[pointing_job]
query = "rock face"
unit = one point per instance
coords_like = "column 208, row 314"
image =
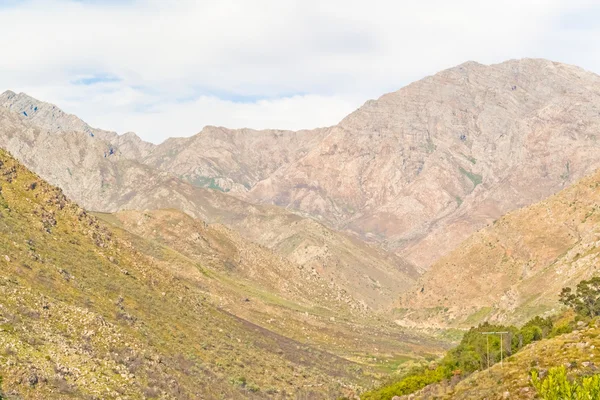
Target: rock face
column 422, row 168
column 232, row 160
column 515, row 268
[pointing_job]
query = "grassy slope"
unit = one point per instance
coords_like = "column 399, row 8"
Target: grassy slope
column 85, row 315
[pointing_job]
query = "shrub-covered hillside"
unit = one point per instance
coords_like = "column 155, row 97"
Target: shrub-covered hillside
column 83, row 314
column 525, row 356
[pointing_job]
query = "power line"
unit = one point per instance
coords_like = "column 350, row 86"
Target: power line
column 488, row 346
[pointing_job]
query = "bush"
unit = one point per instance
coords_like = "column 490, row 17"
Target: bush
column 557, row 386
column 409, row 384
column 531, row 334
column 545, row 324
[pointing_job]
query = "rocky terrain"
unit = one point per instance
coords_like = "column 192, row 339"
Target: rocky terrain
column 433, row 199
column 422, row 168
column 416, row 171
column 91, row 309
column 516, row 267
column 95, row 172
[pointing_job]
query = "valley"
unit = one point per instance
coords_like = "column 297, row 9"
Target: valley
column 317, row 264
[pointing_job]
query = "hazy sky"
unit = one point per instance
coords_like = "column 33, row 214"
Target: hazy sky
column 168, row 68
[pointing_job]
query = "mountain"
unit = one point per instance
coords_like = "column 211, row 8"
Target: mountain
column 232, row 160
column 420, row 169
column 98, row 175
column 278, row 250
column 414, row 172
column 516, row 267
column 90, row 311
column 417, row 170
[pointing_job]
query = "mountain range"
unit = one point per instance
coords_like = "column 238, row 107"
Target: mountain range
column 415, row 171
column 469, row 195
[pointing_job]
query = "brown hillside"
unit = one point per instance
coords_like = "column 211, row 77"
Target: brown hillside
column 516, row 267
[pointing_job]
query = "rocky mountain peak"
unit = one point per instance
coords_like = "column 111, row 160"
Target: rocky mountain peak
column 52, row 119
column 421, row 168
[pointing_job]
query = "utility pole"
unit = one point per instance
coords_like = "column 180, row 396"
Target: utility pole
column 487, row 339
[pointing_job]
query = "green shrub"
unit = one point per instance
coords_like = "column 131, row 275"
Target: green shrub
column 561, row 328
column 557, row 386
column 531, row 334
column 545, row 324
column 409, row 384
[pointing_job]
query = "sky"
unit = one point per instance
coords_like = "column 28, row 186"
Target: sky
column 169, row 68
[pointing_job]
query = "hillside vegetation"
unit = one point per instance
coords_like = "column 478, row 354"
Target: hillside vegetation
column 487, row 345
column 86, row 315
column 578, row 352
column 258, row 285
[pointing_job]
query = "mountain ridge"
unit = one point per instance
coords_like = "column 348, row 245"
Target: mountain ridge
column 514, row 268
column 101, row 180
column 414, row 172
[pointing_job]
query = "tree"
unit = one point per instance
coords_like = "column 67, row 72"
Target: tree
column 586, row 299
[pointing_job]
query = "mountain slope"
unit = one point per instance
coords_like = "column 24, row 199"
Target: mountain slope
column 516, row 267
column 84, row 313
column 422, row 168
column 578, row 351
column 232, row 160
column 306, row 265
column 258, row 285
column 95, row 173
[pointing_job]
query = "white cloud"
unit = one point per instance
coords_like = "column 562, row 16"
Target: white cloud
column 172, row 67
